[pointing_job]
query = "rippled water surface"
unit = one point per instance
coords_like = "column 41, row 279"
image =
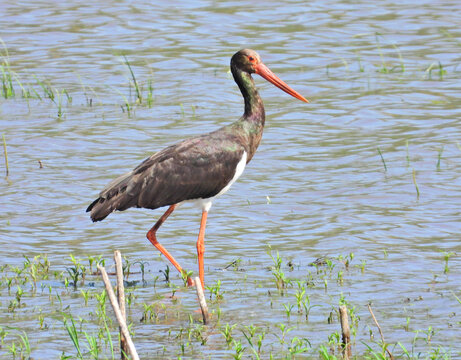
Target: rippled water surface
column 381, row 77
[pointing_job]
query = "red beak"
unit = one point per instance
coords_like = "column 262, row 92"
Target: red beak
column 267, row 74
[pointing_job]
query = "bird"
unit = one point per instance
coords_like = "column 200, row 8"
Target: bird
column 198, row 169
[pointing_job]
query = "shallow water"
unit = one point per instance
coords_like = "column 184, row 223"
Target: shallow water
column 382, row 77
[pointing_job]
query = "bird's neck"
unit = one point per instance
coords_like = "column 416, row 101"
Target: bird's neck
column 254, row 108
column 250, row 126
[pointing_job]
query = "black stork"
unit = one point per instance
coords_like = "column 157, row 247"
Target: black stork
column 198, row 169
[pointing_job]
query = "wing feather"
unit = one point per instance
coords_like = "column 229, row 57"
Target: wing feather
column 195, row 168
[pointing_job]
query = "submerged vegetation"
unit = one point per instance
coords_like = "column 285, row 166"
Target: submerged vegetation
column 69, row 305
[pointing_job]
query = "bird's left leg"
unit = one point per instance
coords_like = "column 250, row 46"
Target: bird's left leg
column 153, row 239
column 201, row 248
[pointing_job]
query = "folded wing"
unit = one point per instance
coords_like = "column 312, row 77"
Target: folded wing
column 192, row 169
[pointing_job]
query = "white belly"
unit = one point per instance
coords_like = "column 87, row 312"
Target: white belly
column 238, row 171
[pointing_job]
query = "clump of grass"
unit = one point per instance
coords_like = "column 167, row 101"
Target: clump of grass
column 440, row 71
column 139, row 97
column 446, row 256
column 48, row 91
column 10, row 84
column 6, row 79
column 280, row 279
column 76, row 272
column 97, row 260
column 385, row 67
column 150, row 312
column 216, row 291
column 6, row 74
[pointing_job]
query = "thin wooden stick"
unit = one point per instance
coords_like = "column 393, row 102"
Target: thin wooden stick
column 201, row 298
column 118, row 314
column 347, row 352
column 380, row 332
column 121, row 300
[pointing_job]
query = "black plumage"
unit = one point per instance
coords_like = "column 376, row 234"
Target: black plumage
column 197, row 168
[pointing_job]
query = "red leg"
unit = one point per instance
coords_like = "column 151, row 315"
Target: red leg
column 153, row 239
column 201, row 248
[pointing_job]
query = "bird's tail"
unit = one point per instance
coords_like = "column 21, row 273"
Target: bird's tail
column 113, row 197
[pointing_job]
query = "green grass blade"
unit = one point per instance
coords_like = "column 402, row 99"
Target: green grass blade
column 6, row 156
column 382, row 159
column 72, row 331
column 416, row 185
column 136, row 86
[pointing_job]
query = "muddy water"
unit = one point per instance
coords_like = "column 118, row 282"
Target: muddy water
column 379, row 77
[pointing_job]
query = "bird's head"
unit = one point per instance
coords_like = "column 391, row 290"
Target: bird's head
column 249, row 61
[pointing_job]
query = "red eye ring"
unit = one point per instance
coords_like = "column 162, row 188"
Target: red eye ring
column 251, row 58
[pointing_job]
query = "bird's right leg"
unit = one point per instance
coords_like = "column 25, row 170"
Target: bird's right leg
column 153, row 239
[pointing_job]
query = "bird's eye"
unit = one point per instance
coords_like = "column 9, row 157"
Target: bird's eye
column 251, row 58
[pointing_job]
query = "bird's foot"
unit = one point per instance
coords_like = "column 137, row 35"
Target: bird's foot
column 190, row 282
